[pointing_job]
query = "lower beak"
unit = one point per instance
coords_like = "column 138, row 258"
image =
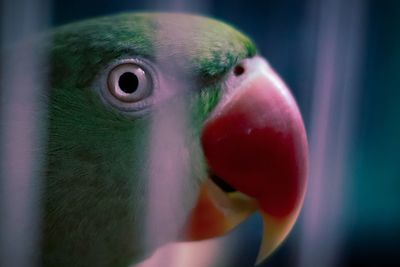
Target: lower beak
column 256, row 143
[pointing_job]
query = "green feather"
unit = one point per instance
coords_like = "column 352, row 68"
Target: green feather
column 95, row 186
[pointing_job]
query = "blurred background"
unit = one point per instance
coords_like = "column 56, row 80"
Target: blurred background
column 341, row 59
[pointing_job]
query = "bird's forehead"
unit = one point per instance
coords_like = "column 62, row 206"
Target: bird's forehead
column 203, row 45
column 196, row 44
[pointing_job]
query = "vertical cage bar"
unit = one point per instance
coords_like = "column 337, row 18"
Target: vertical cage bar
column 21, row 130
column 335, row 92
column 169, row 165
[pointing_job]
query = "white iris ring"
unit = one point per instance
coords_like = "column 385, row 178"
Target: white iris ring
column 142, row 89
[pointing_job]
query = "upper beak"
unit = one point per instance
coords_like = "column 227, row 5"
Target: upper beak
column 255, row 142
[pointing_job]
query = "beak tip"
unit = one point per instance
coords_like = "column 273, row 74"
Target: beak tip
column 275, row 231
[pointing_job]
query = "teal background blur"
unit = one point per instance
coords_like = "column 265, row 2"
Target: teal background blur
column 370, row 221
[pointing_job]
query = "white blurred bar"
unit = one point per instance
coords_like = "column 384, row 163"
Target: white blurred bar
column 21, row 130
column 339, row 46
column 170, row 187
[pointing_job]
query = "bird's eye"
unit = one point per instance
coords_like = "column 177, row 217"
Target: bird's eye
column 130, row 83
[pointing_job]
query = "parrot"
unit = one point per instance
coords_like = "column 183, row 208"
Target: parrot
column 228, row 123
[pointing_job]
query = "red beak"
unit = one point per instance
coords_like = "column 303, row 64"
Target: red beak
column 255, row 141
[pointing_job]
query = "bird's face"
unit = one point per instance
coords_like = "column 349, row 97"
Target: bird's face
column 165, row 127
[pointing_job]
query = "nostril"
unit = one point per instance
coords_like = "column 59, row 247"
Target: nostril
column 238, row 70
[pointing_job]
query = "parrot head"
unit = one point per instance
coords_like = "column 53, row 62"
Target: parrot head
column 164, row 127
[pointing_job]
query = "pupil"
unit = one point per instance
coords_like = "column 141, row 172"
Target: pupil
column 128, row 82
